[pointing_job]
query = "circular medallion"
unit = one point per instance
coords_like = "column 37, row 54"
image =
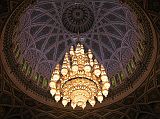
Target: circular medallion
column 78, row 18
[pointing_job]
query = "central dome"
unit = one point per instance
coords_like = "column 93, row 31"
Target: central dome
column 78, row 18
column 112, row 33
column 45, row 30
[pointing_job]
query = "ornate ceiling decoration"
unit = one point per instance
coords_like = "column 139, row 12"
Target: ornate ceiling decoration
column 78, row 18
column 144, row 103
column 43, row 39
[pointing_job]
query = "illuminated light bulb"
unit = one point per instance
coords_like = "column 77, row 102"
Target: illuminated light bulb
column 106, row 85
column 57, row 97
column 56, row 77
column 97, row 72
column 52, row 84
column 100, row 97
column 75, row 68
column 84, row 105
column 91, row 62
column 90, row 55
column 64, row 71
column 64, row 65
column 78, row 49
column 87, row 67
column 104, row 78
column 74, row 65
column 78, row 46
column 73, row 105
column 66, row 56
column 105, row 92
column 82, row 49
column 53, row 91
column 92, row 102
column 64, row 102
column 71, row 50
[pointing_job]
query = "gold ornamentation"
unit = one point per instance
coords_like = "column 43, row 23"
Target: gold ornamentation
column 80, row 79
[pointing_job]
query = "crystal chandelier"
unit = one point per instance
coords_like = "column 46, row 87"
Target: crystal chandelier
column 80, row 79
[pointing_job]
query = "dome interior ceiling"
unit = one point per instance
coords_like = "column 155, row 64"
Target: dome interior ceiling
column 142, row 103
column 44, row 39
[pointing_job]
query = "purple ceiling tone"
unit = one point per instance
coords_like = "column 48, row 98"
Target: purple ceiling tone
column 44, row 40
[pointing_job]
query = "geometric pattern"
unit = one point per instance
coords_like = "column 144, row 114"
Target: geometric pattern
column 144, row 103
column 43, row 39
column 77, row 18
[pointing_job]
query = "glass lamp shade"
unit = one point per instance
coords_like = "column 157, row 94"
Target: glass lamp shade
column 75, row 68
column 64, row 102
column 106, row 85
column 92, row 102
column 56, row 77
column 73, row 105
column 57, row 97
column 97, row 72
column 104, row 78
column 64, row 71
column 90, row 55
column 100, row 98
column 53, row 91
column 52, row 84
column 87, row 68
column 82, row 50
column 84, row 105
column 71, row 51
column 105, row 92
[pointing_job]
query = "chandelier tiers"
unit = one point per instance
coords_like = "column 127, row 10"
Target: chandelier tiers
column 79, row 79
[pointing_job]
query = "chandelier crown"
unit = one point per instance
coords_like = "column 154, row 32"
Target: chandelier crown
column 80, row 79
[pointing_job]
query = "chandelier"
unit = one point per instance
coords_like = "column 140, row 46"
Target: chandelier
column 79, row 79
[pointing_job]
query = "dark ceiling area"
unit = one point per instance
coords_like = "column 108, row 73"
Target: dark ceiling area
column 143, row 103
